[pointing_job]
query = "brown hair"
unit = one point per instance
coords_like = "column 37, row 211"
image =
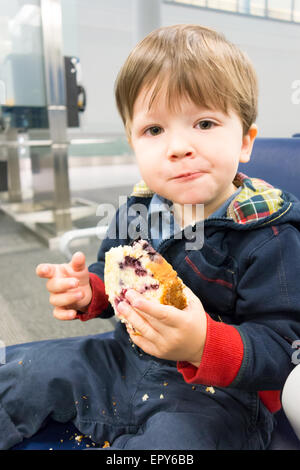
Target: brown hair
column 200, row 63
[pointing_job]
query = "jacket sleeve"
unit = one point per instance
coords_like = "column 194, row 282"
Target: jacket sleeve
column 256, row 352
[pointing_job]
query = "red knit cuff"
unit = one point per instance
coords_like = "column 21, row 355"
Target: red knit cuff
column 99, row 300
column 221, row 359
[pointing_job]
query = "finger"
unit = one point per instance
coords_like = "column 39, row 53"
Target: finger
column 190, row 296
column 58, row 285
column 136, row 321
column 45, row 270
column 144, row 343
column 64, row 314
column 153, row 308
column 63, row 300
column 78, row 261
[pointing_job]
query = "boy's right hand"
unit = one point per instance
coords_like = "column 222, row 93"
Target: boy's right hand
column 68, row 285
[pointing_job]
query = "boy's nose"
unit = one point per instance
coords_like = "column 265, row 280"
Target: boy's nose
column 179, row 145
column 175, row 155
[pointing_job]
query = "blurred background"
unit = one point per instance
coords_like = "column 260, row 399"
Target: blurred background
column 63, row 150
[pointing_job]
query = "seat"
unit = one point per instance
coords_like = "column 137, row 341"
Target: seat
column 56, row 436
column 277, row 160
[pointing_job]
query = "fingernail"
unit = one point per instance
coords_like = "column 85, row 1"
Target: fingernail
column 122, row 306
column 73, row 283
column 132, row 297
column 79, row 294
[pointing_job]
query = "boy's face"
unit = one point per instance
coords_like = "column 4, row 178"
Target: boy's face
column 191, row 155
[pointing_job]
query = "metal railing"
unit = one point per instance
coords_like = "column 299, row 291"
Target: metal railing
column 282, row 10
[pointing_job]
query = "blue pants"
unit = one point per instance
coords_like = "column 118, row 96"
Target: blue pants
column 114, row 392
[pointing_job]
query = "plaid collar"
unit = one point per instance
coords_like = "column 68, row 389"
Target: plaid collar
column 256, row 200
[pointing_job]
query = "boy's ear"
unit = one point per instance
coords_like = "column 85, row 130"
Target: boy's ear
column 248, row 141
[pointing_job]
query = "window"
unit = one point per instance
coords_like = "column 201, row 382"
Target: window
column 284, row 10
column 244, row 6
column 198, row 3
column 296, row 12
column 229, row 5
column 280, row 9
column 258, row 7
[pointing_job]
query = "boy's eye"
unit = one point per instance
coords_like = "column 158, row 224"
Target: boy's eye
column 154, row 130
column 205, row 124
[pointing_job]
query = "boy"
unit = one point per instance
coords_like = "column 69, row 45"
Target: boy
column 208, row 377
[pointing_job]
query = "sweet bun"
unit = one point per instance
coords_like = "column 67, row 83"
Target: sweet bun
column 140, row 267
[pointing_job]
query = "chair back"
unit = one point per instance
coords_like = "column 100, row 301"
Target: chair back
column 277, row 161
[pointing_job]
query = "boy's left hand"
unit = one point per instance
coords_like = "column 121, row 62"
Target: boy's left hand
column 165, row 331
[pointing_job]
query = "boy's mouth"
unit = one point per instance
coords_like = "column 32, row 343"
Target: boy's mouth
column 188, row 175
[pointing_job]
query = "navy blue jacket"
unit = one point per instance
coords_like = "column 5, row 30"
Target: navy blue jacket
column 247, row 276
